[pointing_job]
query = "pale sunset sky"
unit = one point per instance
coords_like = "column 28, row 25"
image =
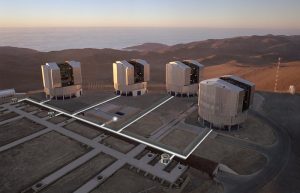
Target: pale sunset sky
column 281, row 14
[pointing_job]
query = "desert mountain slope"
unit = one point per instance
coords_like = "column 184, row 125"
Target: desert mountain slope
column 262, row 76
column 248, row 49
column 20, row 67
column 149, row 47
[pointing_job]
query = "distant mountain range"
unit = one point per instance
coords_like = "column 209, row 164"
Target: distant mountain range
column 149, row 47
column 20, row 67
column 249, row 49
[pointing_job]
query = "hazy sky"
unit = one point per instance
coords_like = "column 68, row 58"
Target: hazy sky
column 151, row 13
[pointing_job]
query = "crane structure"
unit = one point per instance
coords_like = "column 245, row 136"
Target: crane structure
column 277, row 74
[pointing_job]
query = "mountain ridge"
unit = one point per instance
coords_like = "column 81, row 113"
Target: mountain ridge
column 244, row 51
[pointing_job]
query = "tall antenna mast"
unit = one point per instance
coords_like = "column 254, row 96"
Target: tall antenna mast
column 277, row 74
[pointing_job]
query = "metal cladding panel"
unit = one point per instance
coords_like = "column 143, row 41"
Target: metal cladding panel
column 228, row 100
column 55, row 78
column 123, row 73
column 251, row 84
column 52, row 65
column 115, row 74
column 201, row 74
column 53, row 74
column 46, row 76
column 187, row 78
column 169, row 74
column 119, row 77
column 177, row 74
column 77, row 76
column 220, row 105
column 76, row 66
column 146, row 72
column 129, row 75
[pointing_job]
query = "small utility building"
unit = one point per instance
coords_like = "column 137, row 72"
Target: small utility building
column 182, row 77
column 224, row 102
column 62, row 80
column 131, row 77
column 7, row 93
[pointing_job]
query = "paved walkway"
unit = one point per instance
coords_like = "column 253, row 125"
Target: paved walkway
column 10, row 120
column 122, row 159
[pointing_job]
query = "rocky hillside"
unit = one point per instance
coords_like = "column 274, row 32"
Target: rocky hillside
column 20, row 67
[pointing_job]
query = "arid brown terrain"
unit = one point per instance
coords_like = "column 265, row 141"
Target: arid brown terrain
column 252, row 57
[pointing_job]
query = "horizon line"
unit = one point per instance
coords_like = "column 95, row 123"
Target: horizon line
column 181, row 27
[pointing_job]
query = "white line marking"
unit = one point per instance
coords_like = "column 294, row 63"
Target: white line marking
column 45, row 101
column 58, row 114
column 132, row 138
column 145, row 114
column 21, row 100
column 96, row 105
column 121, row 134
column 199, row 143
column 172, row 156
